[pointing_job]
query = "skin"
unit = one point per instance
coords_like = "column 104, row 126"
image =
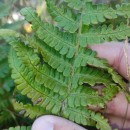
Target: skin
column 116, row 109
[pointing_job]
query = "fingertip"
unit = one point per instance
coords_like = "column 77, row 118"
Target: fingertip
column 107, row 50
column 42, row 123
column 49, row 122
column 114, row 53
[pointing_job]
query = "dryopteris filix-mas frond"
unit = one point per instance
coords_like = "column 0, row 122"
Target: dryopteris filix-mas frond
column 57, row 71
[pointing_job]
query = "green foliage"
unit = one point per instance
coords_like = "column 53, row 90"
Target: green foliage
column 7, row 114
column 56, row 70
column 6, row 86
column 5, row 9
column 20, row 128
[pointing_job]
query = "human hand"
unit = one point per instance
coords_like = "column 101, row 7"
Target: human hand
column 116, row 109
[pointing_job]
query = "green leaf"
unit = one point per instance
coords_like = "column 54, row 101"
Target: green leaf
column 42, row 72
column 20, row 128
column 56, row 70
column 25, row 80
column 75, row 4
column 64, row 18
column 29, row 110
column 52, row 57
column 93, row 76
column 102, row 123
column 62, row 42
column 93, row 14
column 104, row 33
column 31, row 16
column 84, row 96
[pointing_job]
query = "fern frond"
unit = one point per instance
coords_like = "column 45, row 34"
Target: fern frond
column 29, row 110
column 52, row 57
column 81, row 59
column 43, row 72
column 93, row 76
column 20, row 128
column 26, row 82
column 78, row 115
column 104, row 33
column 94, row 14
column 76, row 4
column 64, row 43
column 87, row 56
column 31, row 16
column 114, row 90
column 84, row 116
column 60, row 41
column 123, row 10
column 54, row 68
column 49, row 78
column 64, row 17
column 102, row 123
column 84, row 96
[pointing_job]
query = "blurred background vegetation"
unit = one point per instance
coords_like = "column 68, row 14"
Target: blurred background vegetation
column 10, row 18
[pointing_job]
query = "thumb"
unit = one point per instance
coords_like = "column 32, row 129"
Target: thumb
column 114, row 53
column 54, row 123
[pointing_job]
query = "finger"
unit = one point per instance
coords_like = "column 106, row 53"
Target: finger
column 54, row 123
column 119, row 107
column 114, row 53
column 120, row 123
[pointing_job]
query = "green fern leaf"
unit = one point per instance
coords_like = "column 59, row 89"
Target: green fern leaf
column 113, row 88
column 104, row 33
column 26, row 90
column 82, row 116
column 78, row 115
column 26, row 82
column 62, row 42
column 42, row 72
column 29, row 110
column 93, row 76
column 20, row 128
column 52, row 57
column 93, row 14
column 75, row 4
column 64, row 18
column 55, row 69
column 89, row 57
column 59, row 41
column 123, row 10
column 101, row 122
column 83, row 97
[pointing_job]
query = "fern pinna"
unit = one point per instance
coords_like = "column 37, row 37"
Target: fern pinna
column 55, row 68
